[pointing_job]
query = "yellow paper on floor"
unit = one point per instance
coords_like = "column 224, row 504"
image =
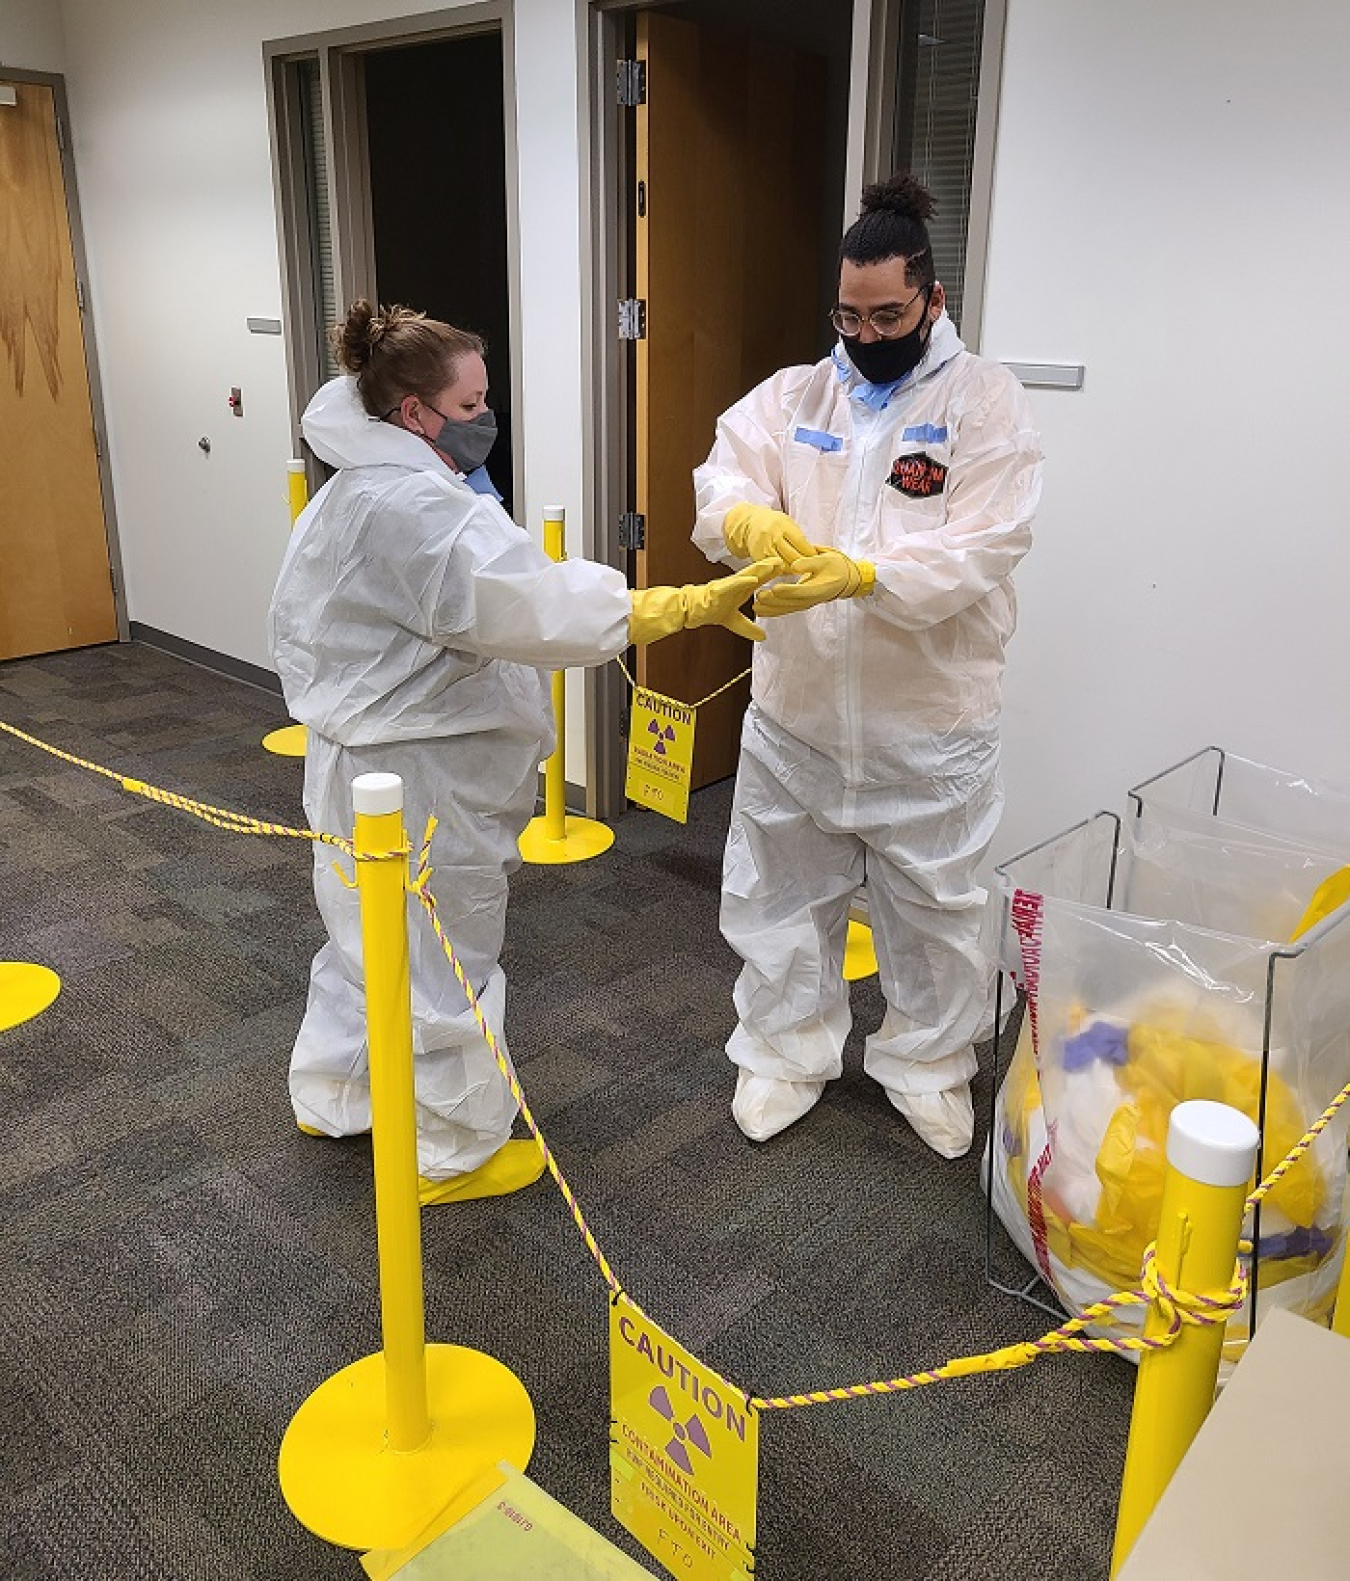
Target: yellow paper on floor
column 515, row 1530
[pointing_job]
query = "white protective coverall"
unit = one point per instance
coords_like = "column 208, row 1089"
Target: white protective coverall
column 869, row 752
column 406, row 626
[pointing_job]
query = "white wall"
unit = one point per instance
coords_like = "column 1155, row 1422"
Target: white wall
column 31, row 35
column 168, row 105
column 1171, row 209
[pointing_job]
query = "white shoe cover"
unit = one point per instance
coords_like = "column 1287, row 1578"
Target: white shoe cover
column 944, row 1120
column 765, row 1105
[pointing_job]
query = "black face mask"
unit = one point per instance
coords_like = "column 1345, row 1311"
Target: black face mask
column 885, row 361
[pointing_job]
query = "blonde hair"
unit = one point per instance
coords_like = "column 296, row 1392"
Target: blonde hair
column 393, row 352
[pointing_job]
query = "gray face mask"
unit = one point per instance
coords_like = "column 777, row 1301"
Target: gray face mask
column 467, row 443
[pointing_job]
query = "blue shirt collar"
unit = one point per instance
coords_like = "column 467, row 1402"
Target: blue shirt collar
column 479, row 481
column 873, row 396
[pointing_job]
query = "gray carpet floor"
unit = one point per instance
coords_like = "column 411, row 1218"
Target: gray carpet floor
column 181, row 1267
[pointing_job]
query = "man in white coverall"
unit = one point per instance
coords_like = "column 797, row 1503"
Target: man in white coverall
column 897, row 479
column 410, row 626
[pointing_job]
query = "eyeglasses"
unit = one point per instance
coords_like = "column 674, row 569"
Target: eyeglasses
column 885, row 320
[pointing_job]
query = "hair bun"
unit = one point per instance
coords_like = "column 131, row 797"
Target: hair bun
column 902, row 195
column 356, row 339
column 356, row 335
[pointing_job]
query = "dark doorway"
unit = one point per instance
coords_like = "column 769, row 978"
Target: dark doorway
column 435, row 115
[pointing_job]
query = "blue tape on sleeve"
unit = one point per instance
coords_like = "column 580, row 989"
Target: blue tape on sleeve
column 813, row 436
column 926, row 434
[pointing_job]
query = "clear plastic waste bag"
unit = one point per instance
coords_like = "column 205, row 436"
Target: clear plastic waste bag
column 1191, row 992
column 1252, row 795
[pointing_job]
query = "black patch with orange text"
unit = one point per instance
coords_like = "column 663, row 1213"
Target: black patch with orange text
column 918, row 476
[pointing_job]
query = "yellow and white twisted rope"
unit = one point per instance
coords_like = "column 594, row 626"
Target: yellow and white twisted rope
column 1180, row 1308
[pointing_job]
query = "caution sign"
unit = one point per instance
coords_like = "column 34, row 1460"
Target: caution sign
column 660, row 753
column 684, row 1457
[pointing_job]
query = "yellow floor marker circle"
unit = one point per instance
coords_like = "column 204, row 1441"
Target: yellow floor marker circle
column 288, row 742
column 342, row 1480
column 583, row 839
column 25, row 992
column 860, row 958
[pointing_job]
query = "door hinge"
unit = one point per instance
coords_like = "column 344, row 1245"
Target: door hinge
column 60, row 135
column 98, row 446
column 79, row 294
column 632, row 83
column 632, row 530
column 632, row 319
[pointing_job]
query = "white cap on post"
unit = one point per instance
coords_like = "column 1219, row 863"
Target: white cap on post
column 555, row 513
column 295, row 465
column 373, row 794
column 1212, row 1143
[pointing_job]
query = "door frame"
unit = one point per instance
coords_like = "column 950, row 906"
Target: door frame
column 881, row 67
column 340, row 53
column 871, row 135
column 57, row 83
column 605, row 371
column 605, row 244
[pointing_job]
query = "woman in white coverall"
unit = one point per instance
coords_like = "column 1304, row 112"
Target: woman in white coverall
column 897, row 479
column 409, row 626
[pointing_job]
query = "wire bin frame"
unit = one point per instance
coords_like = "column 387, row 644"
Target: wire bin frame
column 1205, row 775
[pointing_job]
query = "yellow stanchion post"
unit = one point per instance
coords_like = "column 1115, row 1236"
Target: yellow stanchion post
column 1340, row 1320
column 1211, row 1152
column 380, row 1448
column 558, row 836
column 289, row 741
column 297, row 488
column 860, row 954
column 555, row 779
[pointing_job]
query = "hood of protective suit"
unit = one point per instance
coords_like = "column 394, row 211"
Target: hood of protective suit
column 943, row 344
column 342, row 432
column 410, row 607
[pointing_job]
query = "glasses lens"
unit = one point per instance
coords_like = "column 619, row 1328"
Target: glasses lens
column 886, row 323
column 845, row 322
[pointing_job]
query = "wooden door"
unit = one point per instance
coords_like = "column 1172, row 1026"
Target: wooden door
column 727, row 214
column 55, row 578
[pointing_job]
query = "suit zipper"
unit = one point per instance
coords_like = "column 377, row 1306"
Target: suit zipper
column 847, row 614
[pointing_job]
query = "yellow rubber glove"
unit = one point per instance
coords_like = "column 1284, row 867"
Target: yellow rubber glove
column 821, row 576
column 660, row 611
column 754, row 532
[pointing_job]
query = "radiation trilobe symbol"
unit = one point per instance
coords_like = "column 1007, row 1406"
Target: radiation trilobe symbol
column 690, row 1432
column 662, row 736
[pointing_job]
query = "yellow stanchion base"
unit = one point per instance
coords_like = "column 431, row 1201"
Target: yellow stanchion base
column 288, row 742
column 25, row 992
column 343, row 1482
column 584, row 839
column 860, row 958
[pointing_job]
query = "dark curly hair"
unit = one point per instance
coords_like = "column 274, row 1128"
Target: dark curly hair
column 893, row 225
